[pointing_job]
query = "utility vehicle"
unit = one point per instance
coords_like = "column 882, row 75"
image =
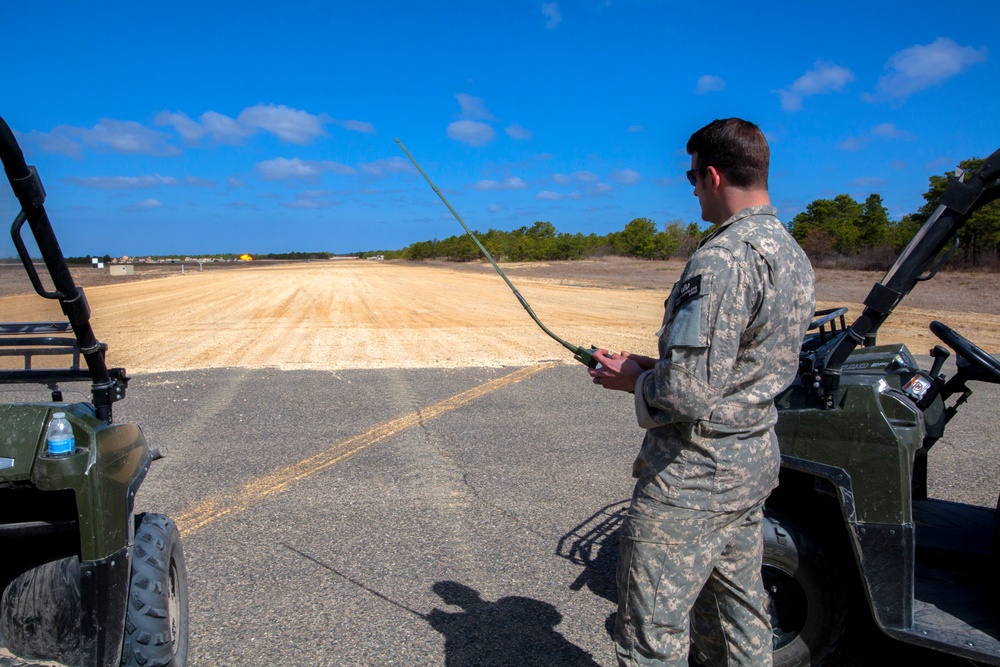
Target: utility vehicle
column 85, row 580
column 851, row 512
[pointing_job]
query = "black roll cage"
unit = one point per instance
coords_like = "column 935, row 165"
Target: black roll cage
column 107, row 385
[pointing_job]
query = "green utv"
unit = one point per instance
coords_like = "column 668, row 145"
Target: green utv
column 85, row 580
column 851, row 513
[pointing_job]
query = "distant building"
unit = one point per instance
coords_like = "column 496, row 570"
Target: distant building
column 122, row 270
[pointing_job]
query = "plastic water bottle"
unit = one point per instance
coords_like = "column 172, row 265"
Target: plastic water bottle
column 59, row 437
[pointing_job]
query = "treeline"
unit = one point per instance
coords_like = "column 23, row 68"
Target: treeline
column 88, row 259
column 219, row 257
column 845, row 232
column 294, row 255
column 541, row 242
column 833, row 232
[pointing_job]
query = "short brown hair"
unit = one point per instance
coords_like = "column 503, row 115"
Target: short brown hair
column 735, row 147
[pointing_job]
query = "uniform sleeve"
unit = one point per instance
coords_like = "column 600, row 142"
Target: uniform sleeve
column 699, row 348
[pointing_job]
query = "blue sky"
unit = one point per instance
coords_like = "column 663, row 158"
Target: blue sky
column 212, row 127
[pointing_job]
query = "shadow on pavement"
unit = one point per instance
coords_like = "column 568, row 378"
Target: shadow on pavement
column 511, row 631
column 594, row 545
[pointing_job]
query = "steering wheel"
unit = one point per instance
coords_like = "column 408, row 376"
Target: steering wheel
column 979, row 364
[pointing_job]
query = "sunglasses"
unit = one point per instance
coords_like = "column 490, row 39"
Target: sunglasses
column 690, row 173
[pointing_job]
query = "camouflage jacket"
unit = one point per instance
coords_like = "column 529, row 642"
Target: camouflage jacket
column 730, row 340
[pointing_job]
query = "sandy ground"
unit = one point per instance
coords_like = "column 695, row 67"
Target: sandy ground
column 342, row 314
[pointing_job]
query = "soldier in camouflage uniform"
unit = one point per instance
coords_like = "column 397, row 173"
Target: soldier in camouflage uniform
column 691, row 545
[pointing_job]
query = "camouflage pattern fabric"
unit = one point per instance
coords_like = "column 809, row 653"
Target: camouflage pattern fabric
column 731, row 334
column 704, row 566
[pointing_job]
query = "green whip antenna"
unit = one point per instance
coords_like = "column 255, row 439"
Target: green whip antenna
column 582, row 355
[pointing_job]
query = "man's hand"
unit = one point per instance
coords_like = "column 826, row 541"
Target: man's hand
column 645, row 363
column 618, row 371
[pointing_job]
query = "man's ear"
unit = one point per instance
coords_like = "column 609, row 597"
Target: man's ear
column 714, row 177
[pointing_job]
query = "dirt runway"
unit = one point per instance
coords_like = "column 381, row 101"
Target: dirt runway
column 350, row 314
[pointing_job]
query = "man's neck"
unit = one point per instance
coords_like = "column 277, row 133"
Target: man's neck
column 735, row 200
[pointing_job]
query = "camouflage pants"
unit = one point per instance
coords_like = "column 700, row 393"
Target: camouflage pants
column 690, row 575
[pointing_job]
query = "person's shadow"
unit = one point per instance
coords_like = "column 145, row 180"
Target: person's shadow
column 512, row 631
column 594, row 545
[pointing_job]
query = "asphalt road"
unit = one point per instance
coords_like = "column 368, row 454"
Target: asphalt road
column 424, row 517
column 447, row 537
column 430, row 526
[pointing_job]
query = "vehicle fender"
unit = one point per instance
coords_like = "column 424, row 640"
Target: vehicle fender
column 105, row 473
column 883, row 553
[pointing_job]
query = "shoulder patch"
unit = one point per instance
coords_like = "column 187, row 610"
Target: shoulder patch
column 690, row 289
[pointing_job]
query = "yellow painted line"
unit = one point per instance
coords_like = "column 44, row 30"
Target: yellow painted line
column 219, row 505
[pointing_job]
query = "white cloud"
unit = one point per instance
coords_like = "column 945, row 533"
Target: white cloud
column 871, row 182
column 548, row 195
column 311, row 199
column 496, row 208
column 886, row 131
column 308, row 204
column 189, row 130
column 126, row 136
column 626, row 176
column 515, row 131
column 709, row 83
column 116, row 136
column 561, row 179
column 58, row 141
column 390, row 165
column 512, row 183
column 550, row 10
column 635, row 128
column 358, row 126
column 473, row 108
column 123, row 182
column 281, row 169
column 219, row 127
column 889, row 131
column 585, row 176
column 199, row 182
column 823, row 78
column 941, row 163
column 223, row 129
column 471, row 129
column 291, row 125
column 470, row 132
column 854, row 143
column 147, row 204
column 918, row 67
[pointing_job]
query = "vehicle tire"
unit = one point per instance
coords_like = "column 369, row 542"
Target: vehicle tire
column 41, row 612
column 808, row 601
column 156, row 623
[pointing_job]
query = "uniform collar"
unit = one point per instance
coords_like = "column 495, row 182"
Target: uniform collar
column 765, row 209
